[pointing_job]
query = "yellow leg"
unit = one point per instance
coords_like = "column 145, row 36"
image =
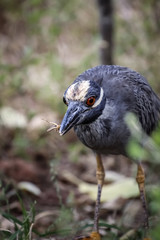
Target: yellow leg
column 141, row 184
column 100, row 174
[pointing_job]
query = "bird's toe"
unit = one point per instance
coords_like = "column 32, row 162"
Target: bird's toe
column 92, row 236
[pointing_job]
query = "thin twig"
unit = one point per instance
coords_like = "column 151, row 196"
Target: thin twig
column 54, row 126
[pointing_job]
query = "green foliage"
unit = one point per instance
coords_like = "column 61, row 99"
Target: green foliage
column 136, row 151
column 21, row 144
column 155, row 210
column 142, row 147
column 156, row 136
column 155, row 194
column 155, row 233
column 75, row 150
column 23, row 228
column 137, row 29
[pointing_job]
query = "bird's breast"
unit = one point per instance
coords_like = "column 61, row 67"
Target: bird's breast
column 87, row 135
column 100, row 138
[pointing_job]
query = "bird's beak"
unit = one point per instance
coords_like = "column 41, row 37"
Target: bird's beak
column 70, row 118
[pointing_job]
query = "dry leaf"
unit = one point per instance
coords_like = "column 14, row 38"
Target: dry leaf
column 125, row 188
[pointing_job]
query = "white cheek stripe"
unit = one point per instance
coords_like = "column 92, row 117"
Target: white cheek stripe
column 99, row 99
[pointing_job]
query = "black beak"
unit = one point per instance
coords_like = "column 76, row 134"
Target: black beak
column 71, row 117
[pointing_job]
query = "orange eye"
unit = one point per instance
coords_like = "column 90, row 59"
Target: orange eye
column 90, row 101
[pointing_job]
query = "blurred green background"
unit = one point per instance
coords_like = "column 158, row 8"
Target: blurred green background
column 44, row 45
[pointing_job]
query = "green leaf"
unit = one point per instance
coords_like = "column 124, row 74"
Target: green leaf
column 12, row 218
column 135, row 151
column 5, row 233
column 14, row 236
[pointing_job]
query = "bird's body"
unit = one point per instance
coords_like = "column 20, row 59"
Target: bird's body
column 124, row 90
column 98, row 101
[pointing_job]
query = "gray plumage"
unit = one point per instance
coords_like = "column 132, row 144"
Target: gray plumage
column 101, row 127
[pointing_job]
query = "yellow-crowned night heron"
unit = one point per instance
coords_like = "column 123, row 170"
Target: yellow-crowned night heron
column 98, row 101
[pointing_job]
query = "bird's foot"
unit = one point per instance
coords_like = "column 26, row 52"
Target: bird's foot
column 92, row 236
column 95, row 236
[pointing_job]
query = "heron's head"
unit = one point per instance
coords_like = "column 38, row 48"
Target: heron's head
column 85, row 100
